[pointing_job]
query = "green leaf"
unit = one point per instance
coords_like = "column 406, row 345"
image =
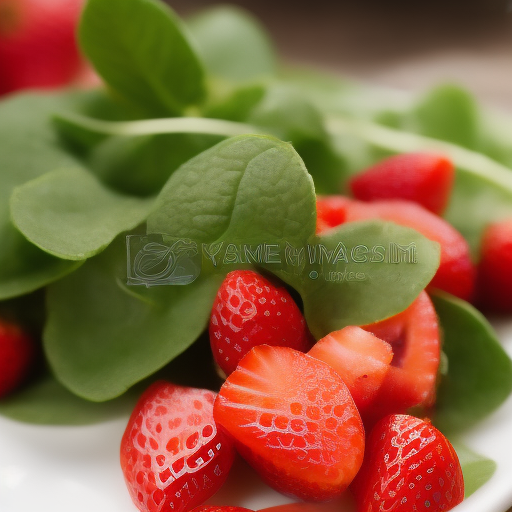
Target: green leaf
column 69, row 214
column 479, row 375
column 245, row 189
column 354, row 275
column 100, row 340
column 46, row 402
column 142, row 165
column 141, row 50
column 232, row 44
column 476, row 469
column 30, row 149
column 483, row 187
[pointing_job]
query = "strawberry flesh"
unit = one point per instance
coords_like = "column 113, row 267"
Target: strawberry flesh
column 173, row 456
column 294, row 421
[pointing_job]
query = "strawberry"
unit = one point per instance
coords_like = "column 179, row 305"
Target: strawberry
column 17, row 352
column 173, row 456
column 37, row 43
column 456, row 273
column 424, row 178
column 250, row 310
column 361, row 359
column 411, row 379
column 409, row 466
column 294, row 421
column 495, row 268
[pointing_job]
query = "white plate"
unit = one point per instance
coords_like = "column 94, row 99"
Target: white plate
column 76, row 469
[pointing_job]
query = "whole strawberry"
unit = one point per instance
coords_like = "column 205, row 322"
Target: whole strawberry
column 250, row 310
column 172, row 455
column 409, row 466
column 37, row 43
column 17, row 352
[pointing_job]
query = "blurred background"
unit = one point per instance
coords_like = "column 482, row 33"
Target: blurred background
column 396, row 43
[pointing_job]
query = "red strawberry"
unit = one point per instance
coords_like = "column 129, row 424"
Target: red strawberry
column 495, row 268
column 250, row 310
column 423, row 178
column 172, row 455
column 37, row 43
column 294, row 421
column 361, row 359
column 17, row 351
column 411, row 378
column 456, row 273
column 409, row 466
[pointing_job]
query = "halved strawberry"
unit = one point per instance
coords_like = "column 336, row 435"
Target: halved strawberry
column 411, row 378
column 361, row 359
column 17, row 351
column 172, row 455
column 495, row 268
column 251, row 310
column 294, row 421
column 409, row 466
column 38, row 47
column 424, row 178
column 456, row 273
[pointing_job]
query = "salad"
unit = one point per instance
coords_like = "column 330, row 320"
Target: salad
column 125, row 206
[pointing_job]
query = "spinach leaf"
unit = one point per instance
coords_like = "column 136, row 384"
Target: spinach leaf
column 69, row 214
column 361, row 272
column 476, row 469
column 141, row 50
column 479, row 375
column 30, row 149
column 483, row 187
column 100, row 340
column 46, row 402
column 232, row 44
column 248, row 189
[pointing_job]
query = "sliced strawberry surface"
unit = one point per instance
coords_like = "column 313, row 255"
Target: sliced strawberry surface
column 495, row 268
column 456, row 272
column 294, row 421
column 173, row 456
column 411, row 379
column 409, row 466
column 38, row 47
column 251, row 310
column 361, row 359
column 424, row 178
column 17, row 352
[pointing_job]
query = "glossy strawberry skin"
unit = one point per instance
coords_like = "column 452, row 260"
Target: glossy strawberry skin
column 173, row 456
column 409, row 466
column 250, row 310
column 38, row 47
column 411, row 378
column 294, row 421
column 456, row 273
column 495, row 268
column 360, row 358
column 17, row 352
column 424, row 178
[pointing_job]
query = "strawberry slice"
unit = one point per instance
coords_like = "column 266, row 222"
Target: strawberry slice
column 294, row 421
column 456, row 273
column 17, row 352
column 361, row 359
column 424, row 178
column 250, row 310
column 173, row 456
column 409, row 466
column 495, row 268
column 411, row 378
